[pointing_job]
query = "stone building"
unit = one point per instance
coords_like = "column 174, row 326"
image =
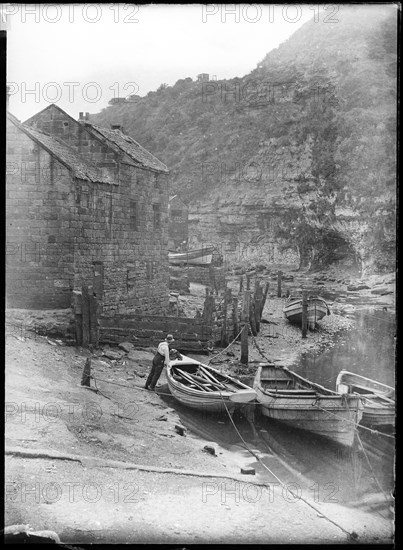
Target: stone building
column 85, row 205
column 178, row 230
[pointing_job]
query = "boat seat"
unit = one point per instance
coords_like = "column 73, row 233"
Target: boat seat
column 306, row 392
column 276, row 380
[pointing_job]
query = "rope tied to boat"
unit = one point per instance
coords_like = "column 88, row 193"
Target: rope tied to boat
column 356, row 423
column 225, row 349
column 351, row 536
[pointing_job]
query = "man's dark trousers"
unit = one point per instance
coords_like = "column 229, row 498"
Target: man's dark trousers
column 156, row 369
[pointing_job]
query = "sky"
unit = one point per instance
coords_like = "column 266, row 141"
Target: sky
column 82, row 55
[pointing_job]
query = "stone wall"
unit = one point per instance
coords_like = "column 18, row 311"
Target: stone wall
column 146, row 330
column 129, row 255
column 64, row 232
column 39, row 199
column 206, row 275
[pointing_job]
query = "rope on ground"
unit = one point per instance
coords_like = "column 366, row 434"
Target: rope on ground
column 225, row 349
column 124, row 386
column 297, row 497
column 372, row 470
column 259, row 350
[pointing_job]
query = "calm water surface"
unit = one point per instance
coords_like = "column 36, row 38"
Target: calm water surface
column 324, row 471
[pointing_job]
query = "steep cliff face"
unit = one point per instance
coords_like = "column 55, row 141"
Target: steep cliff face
column 295, row 162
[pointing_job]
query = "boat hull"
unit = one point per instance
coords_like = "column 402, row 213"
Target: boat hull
column 215, row 401
column 200, row 256
column 317, row 309
column 378, row 398
column 332, row 416
column 377, row 416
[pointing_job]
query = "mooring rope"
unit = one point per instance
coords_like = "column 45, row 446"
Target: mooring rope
column 377, row 432
column 125, row 386
column 372, row 470
column 297, row 497
column 225, row 349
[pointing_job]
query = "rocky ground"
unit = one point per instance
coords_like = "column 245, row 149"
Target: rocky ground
column 115, row 464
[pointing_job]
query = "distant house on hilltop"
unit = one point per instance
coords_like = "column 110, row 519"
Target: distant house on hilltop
column 178, row 229
column 203, row 77
column 85, row 205
column 116, row 100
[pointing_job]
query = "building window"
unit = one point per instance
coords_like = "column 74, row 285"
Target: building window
column 156, row 181
column 140, row 177
column 134, row 217
column 157, row 216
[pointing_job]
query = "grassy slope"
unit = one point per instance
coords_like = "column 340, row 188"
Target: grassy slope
column 339, row 103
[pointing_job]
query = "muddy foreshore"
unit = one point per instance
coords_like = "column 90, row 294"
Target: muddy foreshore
column 119, row 438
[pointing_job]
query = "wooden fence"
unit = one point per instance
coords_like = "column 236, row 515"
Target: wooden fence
column 222, row 319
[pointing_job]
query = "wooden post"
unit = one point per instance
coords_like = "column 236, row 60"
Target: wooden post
column 86, row 316
column 93, row 306
column 304, row 313
column 235, row 316
column 279, row 274
column 224, row 337
column 258, row 303
column 266, row 290
column 78, row 317
column 86, row 378
column 245, row 329
column 252, row 316
column 247, row 282
column 241, row 285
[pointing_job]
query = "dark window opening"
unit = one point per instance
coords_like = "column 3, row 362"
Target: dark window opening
column 157, row 216
column 176, row 213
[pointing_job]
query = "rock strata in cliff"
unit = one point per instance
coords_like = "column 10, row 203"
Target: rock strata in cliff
column 298, row 166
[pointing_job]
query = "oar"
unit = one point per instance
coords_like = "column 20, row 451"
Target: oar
column 211, row 377
column 187, row 377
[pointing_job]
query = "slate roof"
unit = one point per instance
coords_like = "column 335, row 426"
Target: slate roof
column 126, row 144
column 64, row 153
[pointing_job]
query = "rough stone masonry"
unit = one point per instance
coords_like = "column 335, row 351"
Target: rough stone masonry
column 85, row 205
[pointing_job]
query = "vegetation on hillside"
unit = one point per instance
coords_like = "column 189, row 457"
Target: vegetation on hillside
column 332, row 86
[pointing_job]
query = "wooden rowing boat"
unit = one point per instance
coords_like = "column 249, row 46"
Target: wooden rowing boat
column 196, row 256
column 378, row 399
column 290, row 398
column 202, row 387
column 317, row 309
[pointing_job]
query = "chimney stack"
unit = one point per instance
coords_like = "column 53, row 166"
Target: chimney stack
column 117, row 127
column 87, row 116
column 81, row 116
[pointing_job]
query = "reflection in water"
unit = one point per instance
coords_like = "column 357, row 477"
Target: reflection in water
column 325, row 471
column 368, row 349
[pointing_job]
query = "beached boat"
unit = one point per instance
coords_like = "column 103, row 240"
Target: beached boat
column 202, row 387
column 378, row 399
column 290, row 398
column 317, row 309
column 197, row 256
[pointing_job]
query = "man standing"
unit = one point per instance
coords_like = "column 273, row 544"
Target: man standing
column 161, row 357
